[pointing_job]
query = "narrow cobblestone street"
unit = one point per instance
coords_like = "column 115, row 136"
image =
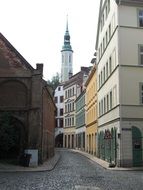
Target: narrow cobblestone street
column 73, row 172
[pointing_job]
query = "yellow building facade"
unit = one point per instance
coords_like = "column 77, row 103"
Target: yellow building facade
column 91, row 112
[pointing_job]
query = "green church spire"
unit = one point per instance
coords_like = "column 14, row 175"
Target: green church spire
column 67, row 46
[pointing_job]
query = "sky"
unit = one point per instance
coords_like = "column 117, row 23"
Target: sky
column 36, row 29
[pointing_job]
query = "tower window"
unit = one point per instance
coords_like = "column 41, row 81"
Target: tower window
column 69, row 58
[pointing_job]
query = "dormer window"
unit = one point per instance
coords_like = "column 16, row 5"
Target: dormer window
column 140, row 18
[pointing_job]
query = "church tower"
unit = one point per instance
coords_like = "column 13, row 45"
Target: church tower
column 67, row 57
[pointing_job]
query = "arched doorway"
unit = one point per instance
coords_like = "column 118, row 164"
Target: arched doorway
column 137, row 146
column 59, row 140
column 12, row 137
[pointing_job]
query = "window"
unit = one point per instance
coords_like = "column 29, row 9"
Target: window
column 111, row 100
column 61, row 112
column 65, row 122
column 73, row 91
column 61, row 99
column 99, row 108
column 106, row 38
column 69, row 58
column 141, row 93
column 107, row 70
column 109, row 31
column 61, row 123
column 141, row 18
column 104, row 74
column 103, row 44
column 141, row 54
column 72, row 121
column 56, row 99
column 65, row 94
column 107, row 102
column 108, row 6
column 65, row 108
column 101, row 24
column 70, row 107
column 106, row 11
column 110, row 64
column 99, row 81
column 103, row 19
column 59, row 88
column 104, row 105
column 73, row 106
column 101, row 78
column 70, row 92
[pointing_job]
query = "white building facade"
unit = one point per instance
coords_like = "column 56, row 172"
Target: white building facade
column 119, row 48
column 59, row 101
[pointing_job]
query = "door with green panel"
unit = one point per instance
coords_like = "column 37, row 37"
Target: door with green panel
column 137, row 146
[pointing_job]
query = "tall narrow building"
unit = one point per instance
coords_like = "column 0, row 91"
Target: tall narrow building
column 67, row 57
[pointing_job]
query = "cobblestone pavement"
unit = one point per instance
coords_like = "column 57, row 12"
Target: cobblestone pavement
column 73, row 172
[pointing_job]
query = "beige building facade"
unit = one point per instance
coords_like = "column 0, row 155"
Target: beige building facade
column 72, row 89
column 119, row 48
column 91, row 112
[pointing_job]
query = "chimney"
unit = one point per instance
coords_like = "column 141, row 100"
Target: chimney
column 39, row 67
column 70, row 75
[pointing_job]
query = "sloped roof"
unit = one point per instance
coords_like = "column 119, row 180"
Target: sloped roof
column 78, row 77
column 8, row 45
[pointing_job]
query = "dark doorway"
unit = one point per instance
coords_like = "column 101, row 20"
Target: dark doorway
column 59, row 140
column 12, row 137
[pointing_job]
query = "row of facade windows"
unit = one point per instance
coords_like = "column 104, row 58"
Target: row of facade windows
column 108, row 68
column 59, row 99
column 108, row 102
column 91, row 93
column 69, row 93
column 91, row 114
column 104, row 15
column 69, row 121
column 110, row 30
column 69, row 107
column 59, row 112
column 106, row 37
column 80, row 119
column 80, row 103
column 59, row 123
